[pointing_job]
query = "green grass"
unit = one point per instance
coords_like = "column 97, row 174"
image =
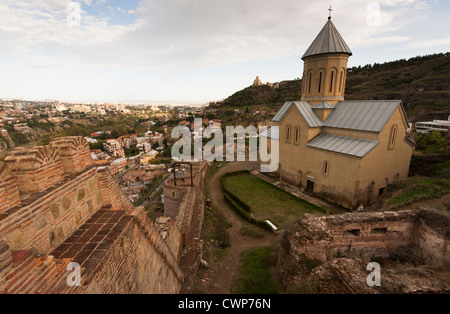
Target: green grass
column 417, row 189
column 267, row 201
column 253, row 232
column 256, row 273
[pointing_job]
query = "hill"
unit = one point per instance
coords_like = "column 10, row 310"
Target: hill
column 422, row 83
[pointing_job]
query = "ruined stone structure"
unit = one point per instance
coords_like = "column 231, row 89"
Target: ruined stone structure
column 257, row 82
column 57, row 208
column 345, row 244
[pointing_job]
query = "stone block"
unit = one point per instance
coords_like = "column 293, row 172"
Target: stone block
column 9, row 192
column 75, row 153
column 36, row 169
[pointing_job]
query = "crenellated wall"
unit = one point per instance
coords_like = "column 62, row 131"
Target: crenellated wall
column 9, row 192
column 50, row 196
column 36, row 169
column 48, row 203
column 74, row 152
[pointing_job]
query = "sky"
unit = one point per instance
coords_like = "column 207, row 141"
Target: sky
column 194, row 51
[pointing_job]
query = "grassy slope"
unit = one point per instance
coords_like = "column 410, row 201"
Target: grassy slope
column 430, row 180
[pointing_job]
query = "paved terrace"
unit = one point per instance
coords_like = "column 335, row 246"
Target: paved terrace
column 89, row 244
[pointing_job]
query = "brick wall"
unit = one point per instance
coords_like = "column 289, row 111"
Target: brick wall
column 404, row 233
column 40, row 221
column 9, row 192
column 74, row 152
column 36, row 169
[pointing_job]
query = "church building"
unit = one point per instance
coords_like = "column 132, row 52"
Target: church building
column 345, row 152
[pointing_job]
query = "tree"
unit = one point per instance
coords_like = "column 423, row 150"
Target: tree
column 173, row 114
column 431, row 142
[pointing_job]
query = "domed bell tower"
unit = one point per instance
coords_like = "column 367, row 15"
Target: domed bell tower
column 325, row 67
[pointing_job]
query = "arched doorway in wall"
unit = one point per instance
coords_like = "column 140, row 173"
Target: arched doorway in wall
column 310, row 184
column 383, row 189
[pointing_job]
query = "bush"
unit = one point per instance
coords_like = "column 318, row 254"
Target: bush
column 431, row 142
column 246, row 215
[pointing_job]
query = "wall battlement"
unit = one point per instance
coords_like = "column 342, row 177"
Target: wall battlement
column 9, row 191
column 74, row 152
column 57, row 208
column 36, row 169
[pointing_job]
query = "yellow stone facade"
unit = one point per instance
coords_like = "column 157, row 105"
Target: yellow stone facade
column 324, row 78
column 338, row 176
column 345, row 180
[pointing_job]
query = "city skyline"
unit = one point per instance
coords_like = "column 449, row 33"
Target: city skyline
column 193, row 52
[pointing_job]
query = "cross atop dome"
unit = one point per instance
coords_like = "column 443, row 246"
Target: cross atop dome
column 331, row 10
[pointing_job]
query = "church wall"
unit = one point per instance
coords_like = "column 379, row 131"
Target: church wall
column 292, row 156
column 297, row 162
column 338, row 184
column 383, row 165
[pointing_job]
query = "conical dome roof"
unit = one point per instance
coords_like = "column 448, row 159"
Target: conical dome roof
column 328, row 41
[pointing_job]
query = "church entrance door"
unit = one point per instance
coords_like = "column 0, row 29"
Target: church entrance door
column 309, row 187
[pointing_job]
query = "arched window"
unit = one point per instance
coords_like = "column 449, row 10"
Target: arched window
column 320, row 81
column 325, row 167
column 288, row 133
column 332, row 79
column 341, row 78
column 309, row 81
column 393, row 137
column 297, row 135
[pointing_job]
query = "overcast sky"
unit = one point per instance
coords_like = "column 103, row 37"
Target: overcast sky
column 194, row 50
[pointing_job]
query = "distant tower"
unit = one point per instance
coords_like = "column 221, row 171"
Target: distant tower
column 257, row 82
column 325, row 67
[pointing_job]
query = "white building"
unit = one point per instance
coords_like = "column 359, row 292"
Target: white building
column 435, row 125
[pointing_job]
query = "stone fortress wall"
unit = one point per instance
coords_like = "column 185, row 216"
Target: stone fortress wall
column 380, row 234
column 184, row 202
column 56, row 207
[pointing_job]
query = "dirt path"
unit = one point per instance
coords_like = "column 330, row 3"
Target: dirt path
column 218, row 278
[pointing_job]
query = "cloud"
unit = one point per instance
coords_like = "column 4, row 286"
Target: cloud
column 420, row 44
column 180, row 36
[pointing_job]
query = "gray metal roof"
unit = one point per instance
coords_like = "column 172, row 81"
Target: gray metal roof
column 271, row 132
column 323, row 105
column 328, row 41
column 363, row 115
column 305, row 110
column 344, row 145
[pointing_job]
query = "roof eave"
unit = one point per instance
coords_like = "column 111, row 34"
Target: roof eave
column 326, row 53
